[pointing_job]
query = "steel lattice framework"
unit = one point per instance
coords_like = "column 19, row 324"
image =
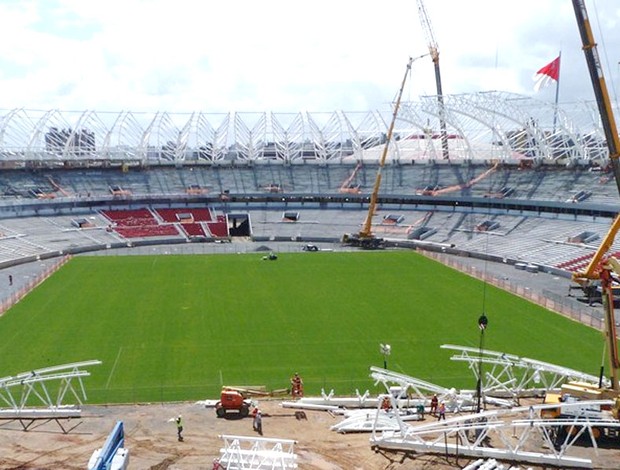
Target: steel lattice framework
column 256, row 453
column 51, row 393
column 514, row 436
column 513, row 376
column 480, row 126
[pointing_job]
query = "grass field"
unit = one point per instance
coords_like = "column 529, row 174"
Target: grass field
column 179, row 327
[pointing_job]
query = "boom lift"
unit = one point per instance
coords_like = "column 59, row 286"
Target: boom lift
column 232, row 401
column 365, row 237
column 601, row 266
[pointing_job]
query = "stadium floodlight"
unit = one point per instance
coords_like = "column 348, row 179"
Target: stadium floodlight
column 385, row 349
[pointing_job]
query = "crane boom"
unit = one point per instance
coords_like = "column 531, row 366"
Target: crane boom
column 600, row 267
column 366, row 231
column 428, row 32
column 600, row 88
column 434, row 53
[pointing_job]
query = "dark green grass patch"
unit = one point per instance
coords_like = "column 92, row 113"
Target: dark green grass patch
column 179, row 327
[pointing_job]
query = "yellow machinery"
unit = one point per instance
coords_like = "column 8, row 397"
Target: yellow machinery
column 365, row 237
column 601, row 266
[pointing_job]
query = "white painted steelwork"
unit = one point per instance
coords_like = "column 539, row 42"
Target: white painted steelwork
column 415, row 391
column 51, row 393
column 377, row 420
column 513, row 433
column 257, row 453
column 507, row 375
column 491, row 125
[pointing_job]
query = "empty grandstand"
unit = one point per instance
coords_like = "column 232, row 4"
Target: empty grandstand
column 523, row 181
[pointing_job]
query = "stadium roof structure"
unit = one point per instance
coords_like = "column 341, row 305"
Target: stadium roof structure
column 486, row 126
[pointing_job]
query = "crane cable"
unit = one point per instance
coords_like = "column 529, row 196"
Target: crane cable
column 484, row 275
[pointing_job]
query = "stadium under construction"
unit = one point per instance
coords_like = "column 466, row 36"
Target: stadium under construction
column 508, row 179
column 504, row 165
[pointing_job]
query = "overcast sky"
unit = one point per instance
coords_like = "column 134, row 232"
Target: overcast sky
column 286, row 56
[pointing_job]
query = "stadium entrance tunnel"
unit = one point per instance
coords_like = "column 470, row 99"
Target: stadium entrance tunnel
column 239, row 225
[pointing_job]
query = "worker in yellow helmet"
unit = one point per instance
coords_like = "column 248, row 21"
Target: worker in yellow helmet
column 179, row 422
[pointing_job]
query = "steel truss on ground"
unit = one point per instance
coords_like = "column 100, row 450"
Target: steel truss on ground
column 473, row 435
column 256, row 453
column 48, row 394
column 416, row 391
column 515, row 377
column 482, row 126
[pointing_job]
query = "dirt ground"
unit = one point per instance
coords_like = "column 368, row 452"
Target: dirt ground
column 151, row 439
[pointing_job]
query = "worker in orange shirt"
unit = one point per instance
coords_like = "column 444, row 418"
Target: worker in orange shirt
column 297, row 386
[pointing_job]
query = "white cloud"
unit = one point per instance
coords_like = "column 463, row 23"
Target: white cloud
column 276, row 55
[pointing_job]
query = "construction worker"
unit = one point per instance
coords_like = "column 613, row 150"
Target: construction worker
column 442, row 411
column 386, row 403
column 257, row 423
column 297, row 386
column 179, row 422
column 434, row 403
column 254, row 413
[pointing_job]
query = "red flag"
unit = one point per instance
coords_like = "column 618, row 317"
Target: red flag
column 549, row 72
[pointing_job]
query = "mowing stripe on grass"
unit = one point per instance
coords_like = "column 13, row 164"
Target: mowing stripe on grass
column 107, row 384
column 182, row 322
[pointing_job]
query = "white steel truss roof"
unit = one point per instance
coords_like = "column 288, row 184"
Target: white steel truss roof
column 482, row 126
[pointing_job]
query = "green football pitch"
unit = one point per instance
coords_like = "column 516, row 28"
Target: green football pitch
column 170, row 328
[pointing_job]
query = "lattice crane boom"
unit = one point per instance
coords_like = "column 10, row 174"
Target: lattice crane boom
column 433, row 49
column 428, row 32
column 366, row 231
column 600, row 267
